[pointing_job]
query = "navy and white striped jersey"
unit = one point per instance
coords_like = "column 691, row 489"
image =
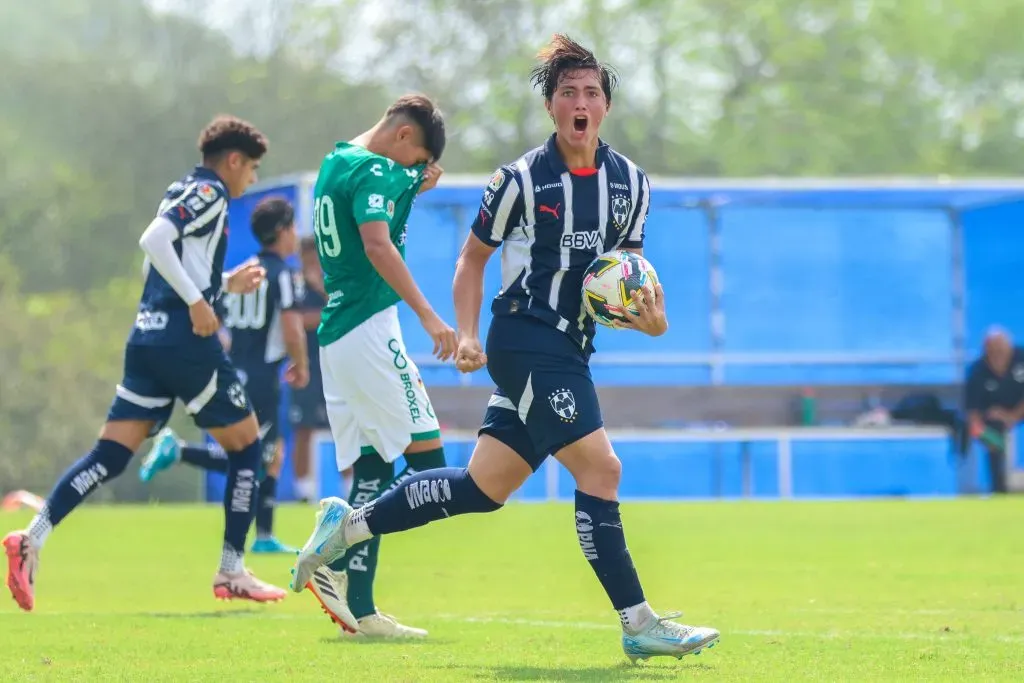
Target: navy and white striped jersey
column 197, row 205
column 553, row 222
column 254, row 319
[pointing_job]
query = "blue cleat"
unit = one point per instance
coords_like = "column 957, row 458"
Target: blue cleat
column 271, row 546
column 325, row 544
column 164, row 453
column 667, row 638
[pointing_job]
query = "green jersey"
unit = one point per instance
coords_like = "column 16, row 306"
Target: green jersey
column 356, row 186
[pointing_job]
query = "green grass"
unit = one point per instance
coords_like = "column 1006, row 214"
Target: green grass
column 829, row 591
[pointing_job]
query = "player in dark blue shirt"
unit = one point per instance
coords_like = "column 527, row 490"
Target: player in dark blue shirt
column 307, row 410
column 173, row 354
column 552, row 212
column 262, row 327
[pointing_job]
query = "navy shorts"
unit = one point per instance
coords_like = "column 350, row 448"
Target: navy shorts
column 307, row 408
column 545, row 398
column 200, row 375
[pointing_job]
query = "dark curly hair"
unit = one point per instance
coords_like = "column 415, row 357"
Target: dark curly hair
column 231, row 134
column 270, row 216
column 564, row 55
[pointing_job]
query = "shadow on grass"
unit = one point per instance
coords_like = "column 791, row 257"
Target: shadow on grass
column 223, row 614
column 616, row 672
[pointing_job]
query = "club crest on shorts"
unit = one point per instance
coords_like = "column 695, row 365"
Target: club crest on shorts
column 237, row 395
column 620, row 211
column 564, row 404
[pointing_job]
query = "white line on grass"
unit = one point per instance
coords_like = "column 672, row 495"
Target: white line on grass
column 769, row 633
column 914, row 612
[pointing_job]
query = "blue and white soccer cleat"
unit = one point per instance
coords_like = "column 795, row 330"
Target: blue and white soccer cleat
column 667, row 638
column 271, row 546
column 326, row 544
column 164, row 453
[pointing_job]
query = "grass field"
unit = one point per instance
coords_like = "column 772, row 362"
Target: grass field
column 829, row 591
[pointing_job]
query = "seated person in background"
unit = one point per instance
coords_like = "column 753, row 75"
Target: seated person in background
column 994, row 399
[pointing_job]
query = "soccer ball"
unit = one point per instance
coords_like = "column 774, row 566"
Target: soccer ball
column 610, row 283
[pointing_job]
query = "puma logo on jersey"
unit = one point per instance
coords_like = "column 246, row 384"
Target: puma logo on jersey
column 544, row 208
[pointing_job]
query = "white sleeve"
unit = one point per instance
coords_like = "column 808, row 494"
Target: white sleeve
column 286, row 290
column 158, row 243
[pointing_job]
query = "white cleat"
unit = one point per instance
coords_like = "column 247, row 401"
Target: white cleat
column 326, row 543
column 665, row 638
column 330, row 588
column 244, row 585
column 379, row 625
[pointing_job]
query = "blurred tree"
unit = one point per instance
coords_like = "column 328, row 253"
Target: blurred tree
column 100, row 109
column 716, row 87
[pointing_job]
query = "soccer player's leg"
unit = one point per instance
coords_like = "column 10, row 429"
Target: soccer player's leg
column 167, row 450
column 426, row 452
column 265, row 395
column 399, row 421
column 307, row 413
column 141, row 405
column 352, row 574
column 266, row 541
column 313, row 570
column 209, row 386
column 368, row 404
column 565, row 419
column 495, row 471
column 390, row 396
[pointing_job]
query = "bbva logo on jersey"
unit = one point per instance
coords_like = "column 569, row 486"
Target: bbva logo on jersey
column 582, row 240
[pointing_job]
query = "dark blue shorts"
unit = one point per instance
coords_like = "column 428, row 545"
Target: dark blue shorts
column 200, row 375
column 545, row 398
column 307, row 408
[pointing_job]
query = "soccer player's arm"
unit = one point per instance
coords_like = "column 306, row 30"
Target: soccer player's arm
column 310, row 314
column 192, row 215
column 634, row 241
column 311, row 318
column 224, row 335
column 292, row 328
column 500, row 210
column 369, row 206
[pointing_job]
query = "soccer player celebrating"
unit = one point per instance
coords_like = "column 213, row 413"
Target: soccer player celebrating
column 553, row 210
column 173, row 353
column 377, row 406
column 264, row 326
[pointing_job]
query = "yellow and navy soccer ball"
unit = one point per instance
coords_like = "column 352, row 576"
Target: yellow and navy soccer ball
column 610, row 285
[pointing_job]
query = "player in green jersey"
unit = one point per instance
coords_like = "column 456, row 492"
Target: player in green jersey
column 376, row 402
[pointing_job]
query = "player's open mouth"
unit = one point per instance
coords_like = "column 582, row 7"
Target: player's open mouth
column 579, row 124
